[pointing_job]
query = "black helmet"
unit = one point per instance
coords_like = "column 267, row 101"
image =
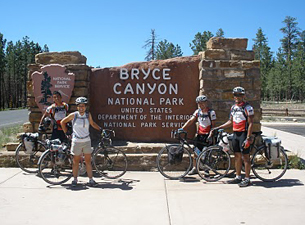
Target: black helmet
column 81, row 100
column 47, row 122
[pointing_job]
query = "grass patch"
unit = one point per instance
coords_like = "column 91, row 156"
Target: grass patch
column 296, row 163
column 8, row 134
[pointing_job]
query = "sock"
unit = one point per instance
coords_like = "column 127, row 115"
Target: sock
column 238, row 177
column 247, row 178
column 90, row 179
column 75, row 179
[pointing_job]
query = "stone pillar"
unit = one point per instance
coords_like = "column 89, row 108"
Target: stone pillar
column 75, row 63
column 224, row 65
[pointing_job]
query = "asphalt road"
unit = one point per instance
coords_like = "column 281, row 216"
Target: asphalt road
column 291, row 128
column 13, row 117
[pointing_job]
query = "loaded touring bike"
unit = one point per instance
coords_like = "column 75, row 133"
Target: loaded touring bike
column 55, row 165
column 175, row 161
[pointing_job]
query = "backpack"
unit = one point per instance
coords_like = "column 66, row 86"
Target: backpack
column 209, row 114
column 175, row 154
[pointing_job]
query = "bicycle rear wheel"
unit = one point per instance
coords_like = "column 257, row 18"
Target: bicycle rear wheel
column 213, row 163
column 177, row 169
column 269, row 169
column 28, row 161
column 54, row 171
column 110, row 162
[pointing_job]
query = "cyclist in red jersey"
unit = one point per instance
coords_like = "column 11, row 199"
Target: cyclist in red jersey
column 241, row 118
column 57, row 111
column 206, row 119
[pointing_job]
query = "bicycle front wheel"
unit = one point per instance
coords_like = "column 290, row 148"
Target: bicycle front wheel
column 174, row 169
column 28, row 161
column 269, row 168
column 110, row 162
column 213, row 163
column 54, row 170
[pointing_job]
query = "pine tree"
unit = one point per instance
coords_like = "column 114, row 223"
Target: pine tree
column 151, row 44
column 2, row 70
column 166, row 50
column 45, row 89
column 220, row 33
column 263, row 53
column 289, row 46
column 199, row 42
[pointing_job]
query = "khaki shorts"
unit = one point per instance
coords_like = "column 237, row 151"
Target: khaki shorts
column 78, row 147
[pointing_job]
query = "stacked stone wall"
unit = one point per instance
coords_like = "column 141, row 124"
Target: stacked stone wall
column 74, row 63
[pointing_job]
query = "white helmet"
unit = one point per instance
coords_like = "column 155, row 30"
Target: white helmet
column 81, row 100
column 201, row 98
column 239, row 90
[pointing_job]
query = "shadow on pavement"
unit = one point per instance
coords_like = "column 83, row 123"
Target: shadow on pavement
column 279, row 183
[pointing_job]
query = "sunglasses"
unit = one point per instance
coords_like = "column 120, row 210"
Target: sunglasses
column 238, row 95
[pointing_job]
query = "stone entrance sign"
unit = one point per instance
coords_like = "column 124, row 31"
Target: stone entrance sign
column 144, row 101
column 51, row 78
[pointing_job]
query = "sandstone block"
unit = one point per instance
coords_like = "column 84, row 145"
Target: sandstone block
column 210, row 73
column 35, row 117
column 70, row 57
column 81, row 83
column 215, row 54
column 228, row 64
column 234, row 73
column 80, row 91
column 257, row 127
column 254, row 72
column 11, row 146
column 207, row 64
column 241, row 55
column 250, row 64
column 227, row 43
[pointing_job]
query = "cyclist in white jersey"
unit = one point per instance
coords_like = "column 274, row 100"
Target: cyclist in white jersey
column 206, row 120
column 81, row 142
column 241, row 119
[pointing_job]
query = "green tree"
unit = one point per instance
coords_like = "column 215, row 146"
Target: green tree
column 220, row 33
column 151, row 44
column 199, row 42
column 166, row 50
column 2, row 70
column 263, row 53
column 289, row 45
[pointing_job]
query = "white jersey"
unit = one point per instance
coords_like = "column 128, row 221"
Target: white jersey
column 205, row 120
column 239, row 115
column 81, row 127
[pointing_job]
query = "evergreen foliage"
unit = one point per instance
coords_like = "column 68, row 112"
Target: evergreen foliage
column 166, row 50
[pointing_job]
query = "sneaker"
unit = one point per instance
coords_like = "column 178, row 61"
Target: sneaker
column 74, row 183
column 92, row 183
column 193, row 171
column 245, row 183
column 233, row 181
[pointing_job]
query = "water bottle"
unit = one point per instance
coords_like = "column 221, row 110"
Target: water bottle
column 197, row 151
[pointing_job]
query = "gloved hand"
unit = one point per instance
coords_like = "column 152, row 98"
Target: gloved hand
column 41, row 128
column 180, row 130
column 246, row 144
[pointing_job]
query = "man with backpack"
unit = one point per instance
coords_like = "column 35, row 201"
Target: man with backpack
column 57, row 111
column 206, row 120
column 241, row 118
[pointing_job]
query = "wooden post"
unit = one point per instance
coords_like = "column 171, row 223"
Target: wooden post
column 286, row 113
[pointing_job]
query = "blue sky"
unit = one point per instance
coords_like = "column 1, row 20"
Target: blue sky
column 112, row 33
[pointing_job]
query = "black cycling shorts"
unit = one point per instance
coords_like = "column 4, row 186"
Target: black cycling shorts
column 237, row 142
column 60, row 134
column 201, row 141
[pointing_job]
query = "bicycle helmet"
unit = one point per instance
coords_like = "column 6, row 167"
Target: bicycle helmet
column 239, row 90
column 81, row 100
column 201, row 98
column 47, row 122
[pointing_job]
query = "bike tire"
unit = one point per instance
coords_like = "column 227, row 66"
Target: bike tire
column 269, row 169
column 174, row 170
column 213, row 163
column 28, row 162
column 53, row 173
column 110, row 162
